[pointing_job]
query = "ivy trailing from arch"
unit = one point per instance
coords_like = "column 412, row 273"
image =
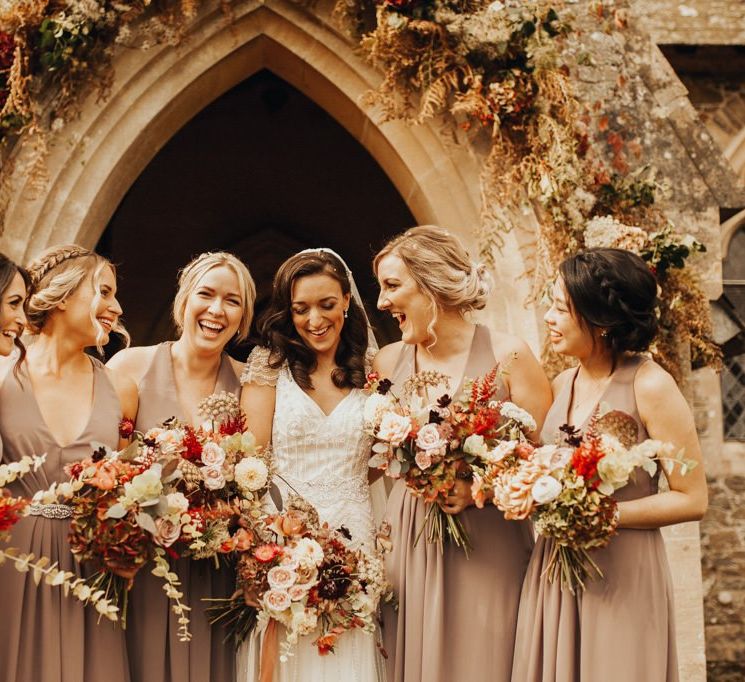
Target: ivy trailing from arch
column 499, row 75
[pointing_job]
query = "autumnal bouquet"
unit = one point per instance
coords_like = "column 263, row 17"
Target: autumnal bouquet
column 568, row 491
column 222, row 474
column 12, row 509
column 303, row 574
column 431, row 444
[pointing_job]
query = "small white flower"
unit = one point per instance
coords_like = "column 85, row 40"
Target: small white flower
column 511, row 411
column 475, row 445
column 213, row 478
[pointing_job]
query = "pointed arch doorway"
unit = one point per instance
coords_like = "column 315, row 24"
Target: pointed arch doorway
column 263, row 172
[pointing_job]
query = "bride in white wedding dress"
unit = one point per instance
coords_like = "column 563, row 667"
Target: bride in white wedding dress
column 302, row 391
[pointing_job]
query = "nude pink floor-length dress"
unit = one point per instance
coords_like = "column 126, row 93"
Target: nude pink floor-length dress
column 155, row 652
column 457, row 616
column 45, row 636
column 621, row 627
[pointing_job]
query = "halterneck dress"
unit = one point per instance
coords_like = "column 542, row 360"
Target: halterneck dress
column 456, row 616
column 155, row 652
column 621, row 627
column 45, row 636
column 322, row 457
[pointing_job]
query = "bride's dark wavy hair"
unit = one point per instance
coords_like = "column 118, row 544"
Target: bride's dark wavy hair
column 278, row 332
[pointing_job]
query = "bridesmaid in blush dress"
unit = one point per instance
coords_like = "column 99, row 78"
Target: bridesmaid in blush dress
column 214, row 304
column 620, row 627
column 59, row 401
column 456, row 616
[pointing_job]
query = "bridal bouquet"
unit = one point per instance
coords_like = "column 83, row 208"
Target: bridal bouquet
column 431, row 444
column 567, row 491
column 303, row 574
column 12, row 509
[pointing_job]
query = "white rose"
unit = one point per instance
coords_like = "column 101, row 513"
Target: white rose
column 545, row 489
column 475, row 445
column 394, row 428
column 429, row 438
column 213, row 455
column 251, row 474
column 308, row 550
column 213, row 478
column 145, row 486
column 177, row 503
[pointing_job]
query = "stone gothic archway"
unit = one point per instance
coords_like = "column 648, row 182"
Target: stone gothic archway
column 156, row 92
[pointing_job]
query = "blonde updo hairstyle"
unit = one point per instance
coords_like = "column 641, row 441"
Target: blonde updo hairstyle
column 55, row 275
column 442, row 269
column 190, row 276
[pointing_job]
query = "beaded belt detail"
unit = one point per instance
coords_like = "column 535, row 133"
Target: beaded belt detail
column 50, row 511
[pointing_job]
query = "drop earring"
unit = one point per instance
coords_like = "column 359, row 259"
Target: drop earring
column 346, row 313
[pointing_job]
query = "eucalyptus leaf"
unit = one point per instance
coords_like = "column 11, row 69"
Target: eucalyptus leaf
column 145, row 521
column 116, row 511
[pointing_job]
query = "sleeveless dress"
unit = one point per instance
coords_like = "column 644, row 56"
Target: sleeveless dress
column 45, row 636
column 620, row 627
column 155, row 652
column 456, row 616
column 324, row 458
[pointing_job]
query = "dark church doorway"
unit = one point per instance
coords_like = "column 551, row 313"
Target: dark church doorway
column 262, row 172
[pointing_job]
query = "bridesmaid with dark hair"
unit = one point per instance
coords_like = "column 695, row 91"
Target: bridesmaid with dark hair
column 61, row 400
column 456, row 615
column 213, row 305
column 621, row 626
column 14, row 285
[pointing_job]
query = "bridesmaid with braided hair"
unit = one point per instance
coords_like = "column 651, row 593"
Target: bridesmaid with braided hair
column 60, row 401
column 621, row 626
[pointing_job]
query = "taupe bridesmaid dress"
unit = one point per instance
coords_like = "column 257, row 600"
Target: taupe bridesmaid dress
column 45, row 636
column 456, row 617
column 621, row 627
column 155, row 652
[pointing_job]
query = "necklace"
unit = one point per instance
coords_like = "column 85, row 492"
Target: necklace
column 595, row 386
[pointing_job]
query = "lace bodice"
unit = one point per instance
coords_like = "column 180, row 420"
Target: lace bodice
column 324, row 457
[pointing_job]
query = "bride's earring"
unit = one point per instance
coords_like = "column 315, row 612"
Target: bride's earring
column 346, row 313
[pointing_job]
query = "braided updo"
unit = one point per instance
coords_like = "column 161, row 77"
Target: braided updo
column 613, row 290
column 441, row 268
column 55, row 275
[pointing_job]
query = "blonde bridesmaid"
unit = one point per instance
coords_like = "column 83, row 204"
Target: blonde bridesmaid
column 213, row 305
column 60, row 400
column 456, row 616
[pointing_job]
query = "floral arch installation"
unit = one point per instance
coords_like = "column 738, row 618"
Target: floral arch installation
column 97, row 156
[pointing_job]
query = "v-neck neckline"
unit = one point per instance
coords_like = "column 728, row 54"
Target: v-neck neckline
column 466, row 367
column 318, row 407
column 594, row 409
column 43, row 420
column 172, row 378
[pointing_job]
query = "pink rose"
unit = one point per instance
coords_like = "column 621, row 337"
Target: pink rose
column 212, row 455
column 297, row 592
column 277, row 600
column 281, row 578
column 423, row 459
column 213, row 478
column 394, row 428
column 430, row 439
column 168, row 532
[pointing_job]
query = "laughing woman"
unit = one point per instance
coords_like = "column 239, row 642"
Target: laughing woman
column 213, row 305
column 14, row 285
column 60, row 401
column 620, row 627
column 456, row 616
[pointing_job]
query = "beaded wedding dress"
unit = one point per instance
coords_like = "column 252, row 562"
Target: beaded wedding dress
column 323, row 457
